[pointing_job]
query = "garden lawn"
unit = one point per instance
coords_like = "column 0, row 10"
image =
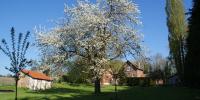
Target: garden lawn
column 85, row 92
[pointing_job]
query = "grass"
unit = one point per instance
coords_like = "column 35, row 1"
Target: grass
column 85, row 92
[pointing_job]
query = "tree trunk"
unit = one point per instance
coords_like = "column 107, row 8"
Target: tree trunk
column 16, row 83
column 97, row 89
column 182, row 55
column 115, row 85
column 181, row 60
column 115, row 76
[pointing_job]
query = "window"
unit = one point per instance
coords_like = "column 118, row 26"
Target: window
column 128, row 68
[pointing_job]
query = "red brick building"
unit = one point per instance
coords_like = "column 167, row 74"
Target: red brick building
column 130, row 70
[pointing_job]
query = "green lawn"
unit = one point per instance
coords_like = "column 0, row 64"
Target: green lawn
column 85, row 92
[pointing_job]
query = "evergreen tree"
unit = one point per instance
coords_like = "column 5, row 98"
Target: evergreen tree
column 177, row 32
column 192, row 67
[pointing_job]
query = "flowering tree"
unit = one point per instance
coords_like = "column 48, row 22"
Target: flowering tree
column 97, row 32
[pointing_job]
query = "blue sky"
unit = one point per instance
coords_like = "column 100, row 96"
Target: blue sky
column 24, row 15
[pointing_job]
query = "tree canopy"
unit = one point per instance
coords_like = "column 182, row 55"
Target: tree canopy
column 97, row 32
column 177, row 27
column 192, row 66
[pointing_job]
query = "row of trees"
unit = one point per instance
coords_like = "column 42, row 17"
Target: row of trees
column 192, row 65
column 184, row 40
column 156, row 67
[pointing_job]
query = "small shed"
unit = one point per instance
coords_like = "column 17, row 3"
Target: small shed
column 174, row 80
column 34, row 80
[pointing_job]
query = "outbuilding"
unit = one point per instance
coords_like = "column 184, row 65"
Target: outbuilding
column 34, row 80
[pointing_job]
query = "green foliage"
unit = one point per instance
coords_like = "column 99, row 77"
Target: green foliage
column 177, row 33
column 122, row 77
column 78, row 72
column 116, row 66
column 138, row 81
column 168, row 70
column 161, row 67
column 157, row 74
column 192, row 67
column 117, row 70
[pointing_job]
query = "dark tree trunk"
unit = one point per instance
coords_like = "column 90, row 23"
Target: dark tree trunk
column 115, row 85
column 181, row 60
column 182, row 56
column 16, row 83
column 97, row 88
column 115, row 76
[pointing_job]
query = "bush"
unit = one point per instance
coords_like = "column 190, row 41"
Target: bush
column 138, row 81
column 74, row 79
column 78, row 72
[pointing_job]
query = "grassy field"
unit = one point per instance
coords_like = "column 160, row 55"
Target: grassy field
column 85, row 92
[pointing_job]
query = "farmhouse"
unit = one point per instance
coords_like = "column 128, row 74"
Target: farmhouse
column 34, row 80
column 130, row 70
column 133, row 70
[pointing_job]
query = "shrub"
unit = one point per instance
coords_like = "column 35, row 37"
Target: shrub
column 138, row 81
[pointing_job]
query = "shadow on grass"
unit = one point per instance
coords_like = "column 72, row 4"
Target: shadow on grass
column 58, row 91
column 102, row 96
column 132, row 93
column 7, row 91
column 72, row 88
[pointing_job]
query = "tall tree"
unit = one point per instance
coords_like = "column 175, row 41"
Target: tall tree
column 158, row 62
column 177, row 33
column 16, row 54
column 97, row 32
column 192, row 74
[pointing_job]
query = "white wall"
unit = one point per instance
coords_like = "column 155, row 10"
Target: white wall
column 35, row 84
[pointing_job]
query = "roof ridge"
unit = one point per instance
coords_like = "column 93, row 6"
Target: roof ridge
column 135, row 66
column 36, row 75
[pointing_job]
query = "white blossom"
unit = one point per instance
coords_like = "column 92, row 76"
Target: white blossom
column 97, row 31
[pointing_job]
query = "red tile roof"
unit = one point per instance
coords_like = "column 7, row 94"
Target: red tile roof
column 36, row 75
